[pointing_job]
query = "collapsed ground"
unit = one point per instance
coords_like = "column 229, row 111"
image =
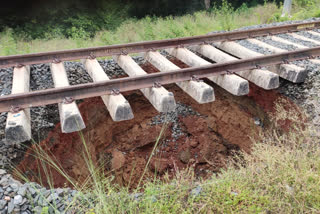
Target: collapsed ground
column 199, row 136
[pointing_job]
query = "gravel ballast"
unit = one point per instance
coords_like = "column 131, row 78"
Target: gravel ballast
column 298, row 41
column 253, row 47
column 31, row 197
column 309, row 35
column 277, row 44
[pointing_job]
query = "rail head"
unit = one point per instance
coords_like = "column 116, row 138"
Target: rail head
column 82, row 53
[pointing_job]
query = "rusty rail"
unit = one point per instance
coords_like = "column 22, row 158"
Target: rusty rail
column 57, row 95
column 47, row 57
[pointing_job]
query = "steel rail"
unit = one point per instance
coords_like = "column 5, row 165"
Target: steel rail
column 57, row 95
column 76, row 54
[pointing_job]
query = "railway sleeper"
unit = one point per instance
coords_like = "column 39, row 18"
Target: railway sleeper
column 297, row 36
column 161, row 99
column 314, row 33
column 288, row 71
column 279, row 50
column 70, row 117
column 199, row 91
column 298, row 46
column 18, row 126
column 118, row 107
column 231, row 83
column 262, row 78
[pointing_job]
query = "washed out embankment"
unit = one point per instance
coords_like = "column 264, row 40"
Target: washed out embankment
column 202, row 136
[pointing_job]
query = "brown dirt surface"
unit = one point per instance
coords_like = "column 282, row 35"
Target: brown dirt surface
column 224, row 127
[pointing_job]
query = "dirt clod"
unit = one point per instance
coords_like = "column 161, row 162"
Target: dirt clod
column 159, row 165
column 194, row 143
column 185, row 156
column 117, row 160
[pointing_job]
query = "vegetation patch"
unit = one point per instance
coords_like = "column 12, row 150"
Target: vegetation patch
column 83, row 31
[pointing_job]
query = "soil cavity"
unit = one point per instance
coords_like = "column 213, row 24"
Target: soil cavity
column 199, row 135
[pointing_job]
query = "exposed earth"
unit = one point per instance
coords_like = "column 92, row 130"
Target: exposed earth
column 202, row 136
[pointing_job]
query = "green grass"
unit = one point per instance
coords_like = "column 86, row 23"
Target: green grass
column 153, row 28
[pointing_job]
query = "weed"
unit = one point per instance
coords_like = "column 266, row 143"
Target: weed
column 227, row 12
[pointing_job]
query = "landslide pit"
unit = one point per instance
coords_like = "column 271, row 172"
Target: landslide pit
column 203, row 137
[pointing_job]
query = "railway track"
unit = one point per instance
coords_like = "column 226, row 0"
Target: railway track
column 235, row 66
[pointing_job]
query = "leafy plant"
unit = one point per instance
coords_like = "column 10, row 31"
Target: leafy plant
column 226, row 14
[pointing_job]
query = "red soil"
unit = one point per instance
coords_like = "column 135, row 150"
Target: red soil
column 226, row 126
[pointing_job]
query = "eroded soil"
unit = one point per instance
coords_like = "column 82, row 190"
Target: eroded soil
column 223, row 127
